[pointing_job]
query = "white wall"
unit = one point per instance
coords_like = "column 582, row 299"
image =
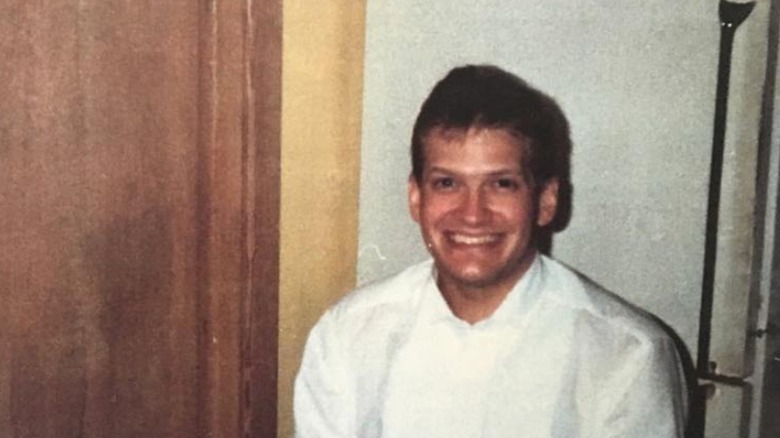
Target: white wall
column 637, row 81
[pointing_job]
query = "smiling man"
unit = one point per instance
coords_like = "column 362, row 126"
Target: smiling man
column 490, row 338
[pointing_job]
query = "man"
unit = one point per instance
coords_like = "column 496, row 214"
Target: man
column 489, row 338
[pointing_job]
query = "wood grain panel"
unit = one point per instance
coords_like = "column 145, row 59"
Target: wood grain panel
column 261, row 343
column 133, row 280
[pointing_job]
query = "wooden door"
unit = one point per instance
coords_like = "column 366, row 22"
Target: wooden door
column 139, row 163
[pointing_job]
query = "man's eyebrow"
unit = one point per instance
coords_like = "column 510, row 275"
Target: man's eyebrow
column 439, row 170
column 492, row 173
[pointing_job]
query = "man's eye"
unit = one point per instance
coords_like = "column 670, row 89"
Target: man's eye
column 443, row 183
column 507, row 183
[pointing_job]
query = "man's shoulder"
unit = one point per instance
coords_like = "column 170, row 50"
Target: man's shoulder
column 384, row 298
column 600, row 306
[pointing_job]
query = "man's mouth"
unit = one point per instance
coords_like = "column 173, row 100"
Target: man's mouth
column 481, row 239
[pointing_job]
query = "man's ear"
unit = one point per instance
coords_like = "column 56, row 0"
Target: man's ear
column 548, row 202
column 414, row 198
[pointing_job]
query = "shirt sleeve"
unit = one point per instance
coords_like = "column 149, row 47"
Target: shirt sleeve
column 324, row 405
column 651, row 399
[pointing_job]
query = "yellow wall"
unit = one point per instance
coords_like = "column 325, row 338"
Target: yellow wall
column 321, row 108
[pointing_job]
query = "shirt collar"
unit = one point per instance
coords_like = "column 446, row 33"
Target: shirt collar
column 433, row 307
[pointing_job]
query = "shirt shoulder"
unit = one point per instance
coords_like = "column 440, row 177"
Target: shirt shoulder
column 627, row 358
column 397, row 289
column 381, row 306
column 600, row 307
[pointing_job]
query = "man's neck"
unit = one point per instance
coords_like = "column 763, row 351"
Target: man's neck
column 473, row 304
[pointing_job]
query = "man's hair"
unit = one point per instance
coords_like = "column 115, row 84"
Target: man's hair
column 485, row 96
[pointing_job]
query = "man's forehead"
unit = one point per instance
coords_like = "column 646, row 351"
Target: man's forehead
column 483, row 151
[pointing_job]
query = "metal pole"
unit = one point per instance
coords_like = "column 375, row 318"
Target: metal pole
column 731, row 16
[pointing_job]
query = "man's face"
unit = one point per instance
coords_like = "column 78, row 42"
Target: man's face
column 477, row 208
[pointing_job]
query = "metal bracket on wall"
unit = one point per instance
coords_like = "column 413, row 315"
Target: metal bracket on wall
column 771, row 329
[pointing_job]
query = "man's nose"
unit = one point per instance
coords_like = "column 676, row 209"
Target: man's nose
column 474, row 207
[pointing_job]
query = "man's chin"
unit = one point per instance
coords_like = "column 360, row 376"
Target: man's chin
column 479, row 276
column 474, row 279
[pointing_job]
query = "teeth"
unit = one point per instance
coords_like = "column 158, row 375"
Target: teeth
column 473, row 240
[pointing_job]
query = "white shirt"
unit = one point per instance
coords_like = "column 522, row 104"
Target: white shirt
column 560, row 357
